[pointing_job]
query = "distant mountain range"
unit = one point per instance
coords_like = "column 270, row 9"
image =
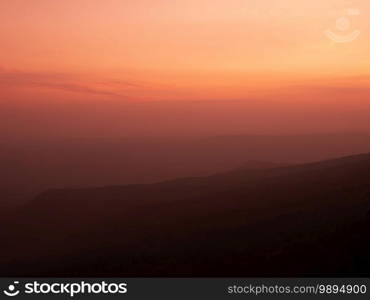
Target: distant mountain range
column 298, row 220
column 29, row 168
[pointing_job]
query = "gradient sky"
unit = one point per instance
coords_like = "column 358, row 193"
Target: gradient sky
column 270, row 51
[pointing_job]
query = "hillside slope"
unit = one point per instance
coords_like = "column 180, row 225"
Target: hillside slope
column 303, row 220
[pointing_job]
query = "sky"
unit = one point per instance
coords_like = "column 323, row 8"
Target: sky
column 252, row 56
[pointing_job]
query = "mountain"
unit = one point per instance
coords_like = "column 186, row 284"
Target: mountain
column 297, row 220
column 31, row 167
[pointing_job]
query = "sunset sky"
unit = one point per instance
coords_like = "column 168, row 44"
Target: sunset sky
column 253, row 51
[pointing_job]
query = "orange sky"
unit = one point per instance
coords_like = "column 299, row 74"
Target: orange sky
column 267, row 51
column 168, row 50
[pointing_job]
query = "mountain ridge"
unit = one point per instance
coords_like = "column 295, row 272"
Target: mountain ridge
column 303, row 220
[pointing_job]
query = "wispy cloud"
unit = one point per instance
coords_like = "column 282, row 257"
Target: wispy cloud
column 64, row 82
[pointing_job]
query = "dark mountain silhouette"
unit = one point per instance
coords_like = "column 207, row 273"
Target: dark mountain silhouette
column 29, row 168
column 300, row 220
